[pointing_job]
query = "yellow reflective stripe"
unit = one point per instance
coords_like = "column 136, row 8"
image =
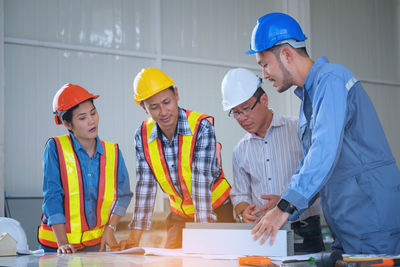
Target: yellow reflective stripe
column 156, row 161
column 73, row 184
column 92, row 234
column 189, row 209
column 110, row 154
column 47, row 235
column 192, row 119
column 186, row 164
column 177, row 204
column 219, row 190
column 73, row 238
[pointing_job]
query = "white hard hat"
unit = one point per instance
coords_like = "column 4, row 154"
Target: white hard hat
column 13, row 228
column 238, row 86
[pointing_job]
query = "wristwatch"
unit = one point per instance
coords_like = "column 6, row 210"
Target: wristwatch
column 284, row 205
column 240, row 216
column 113, row 227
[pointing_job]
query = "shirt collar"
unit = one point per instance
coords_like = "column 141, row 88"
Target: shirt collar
column 308, row 85
column 182, row 128
column 78, row 146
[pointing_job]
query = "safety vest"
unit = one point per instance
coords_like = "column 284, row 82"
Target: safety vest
column 154, row 154
column 76, row 227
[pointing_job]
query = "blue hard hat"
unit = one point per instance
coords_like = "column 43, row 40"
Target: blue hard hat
column 275, row 28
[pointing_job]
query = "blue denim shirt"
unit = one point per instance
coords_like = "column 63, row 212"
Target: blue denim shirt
column 53, row 203
column 348, row 161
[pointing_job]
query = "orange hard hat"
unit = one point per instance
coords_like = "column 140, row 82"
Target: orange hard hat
column 67, row 97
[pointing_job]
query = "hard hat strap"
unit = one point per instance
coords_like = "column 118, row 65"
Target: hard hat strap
column 294, row 43
column 60, row 114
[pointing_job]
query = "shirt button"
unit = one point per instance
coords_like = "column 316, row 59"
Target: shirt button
column 270, row 179
column 90, row 212
column 88, row 198
column 266, row 142
column 89, row 175
column 267, row 159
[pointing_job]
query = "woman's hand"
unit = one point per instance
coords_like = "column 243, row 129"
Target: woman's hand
column 66, row 249
column 108, row 239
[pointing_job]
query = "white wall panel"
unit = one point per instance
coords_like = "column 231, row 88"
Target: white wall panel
column 210, row 29
column 358, row 34
column 119, row 24
column 386, row 100
column 363, row 36
column 2, row 110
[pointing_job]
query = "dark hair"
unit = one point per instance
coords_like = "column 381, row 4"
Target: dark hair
column 68, row 115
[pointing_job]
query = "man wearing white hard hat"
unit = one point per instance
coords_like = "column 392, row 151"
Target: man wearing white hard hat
column 266, row 157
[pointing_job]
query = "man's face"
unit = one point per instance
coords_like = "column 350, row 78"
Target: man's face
column 163, row 108
column 253, row 121
column 274, row 70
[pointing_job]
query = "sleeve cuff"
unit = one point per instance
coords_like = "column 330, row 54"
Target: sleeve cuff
column 140, row 225
column 298, row 200
column 56, row 219
column 118, row 210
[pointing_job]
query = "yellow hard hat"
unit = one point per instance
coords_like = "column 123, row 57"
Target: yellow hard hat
column 150, row 81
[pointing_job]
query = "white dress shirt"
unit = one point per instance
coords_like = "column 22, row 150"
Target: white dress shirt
column 264, row 166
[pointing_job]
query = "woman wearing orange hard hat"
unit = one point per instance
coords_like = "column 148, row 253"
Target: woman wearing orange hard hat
column 85, row 181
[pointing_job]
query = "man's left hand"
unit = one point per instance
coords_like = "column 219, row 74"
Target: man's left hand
column 269, row 225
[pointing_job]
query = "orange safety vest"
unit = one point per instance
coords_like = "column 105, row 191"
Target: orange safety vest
column 76, row 227
column 182, row 204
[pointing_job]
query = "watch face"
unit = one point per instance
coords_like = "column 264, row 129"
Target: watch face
column 284, row 205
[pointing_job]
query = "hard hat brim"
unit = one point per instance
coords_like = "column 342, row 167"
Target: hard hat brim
column 250, row 52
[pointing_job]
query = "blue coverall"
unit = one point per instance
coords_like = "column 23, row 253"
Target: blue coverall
column 347, row 160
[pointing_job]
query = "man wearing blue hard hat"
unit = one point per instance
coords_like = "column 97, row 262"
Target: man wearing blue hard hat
column 347, row 160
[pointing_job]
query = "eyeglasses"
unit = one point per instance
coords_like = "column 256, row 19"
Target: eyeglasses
column 245, row 111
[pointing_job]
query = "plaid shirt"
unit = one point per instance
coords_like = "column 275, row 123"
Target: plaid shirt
column 205, row 171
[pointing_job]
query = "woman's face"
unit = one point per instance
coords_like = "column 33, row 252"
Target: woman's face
column 84, row 122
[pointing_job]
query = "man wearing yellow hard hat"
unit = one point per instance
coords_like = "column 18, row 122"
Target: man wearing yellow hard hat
column 175, row 148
